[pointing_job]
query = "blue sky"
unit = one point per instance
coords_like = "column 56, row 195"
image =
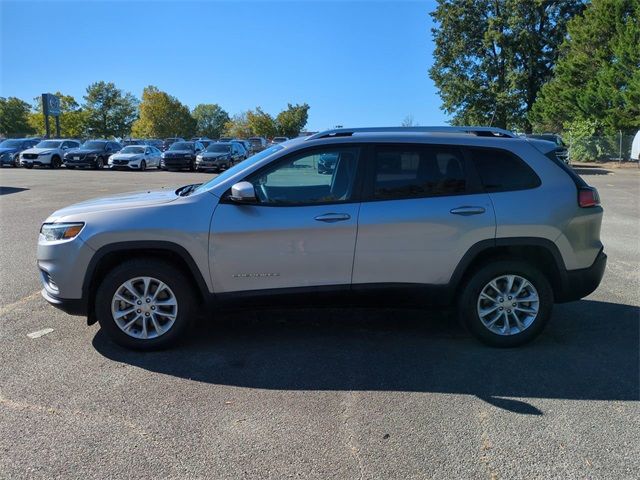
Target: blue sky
column 355, row 63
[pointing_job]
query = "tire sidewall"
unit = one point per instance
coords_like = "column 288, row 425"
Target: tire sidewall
column 162, row 271
column 467, row 306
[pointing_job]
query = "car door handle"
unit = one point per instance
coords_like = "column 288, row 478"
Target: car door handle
column 468, row 211
column 333, row 217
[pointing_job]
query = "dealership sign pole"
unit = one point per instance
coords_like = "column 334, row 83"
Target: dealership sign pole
column 51, row 106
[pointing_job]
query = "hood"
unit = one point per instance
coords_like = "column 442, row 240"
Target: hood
column 116, row 202
column 8, row 150
column 126, row 156
column 214, row 154
column 84, row 151
column 40, row 150
column 178, row 152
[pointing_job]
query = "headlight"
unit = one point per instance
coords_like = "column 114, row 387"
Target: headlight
column 60, row 231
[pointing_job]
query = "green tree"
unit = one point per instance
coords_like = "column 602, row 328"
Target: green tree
column 238, row 126
column 72, row 118
column 110, row 112
column 163, row 115
column 291, row 121
column 261, row 123
column 492, row 56
column 14, row 117
column 597, row 78
column 210, row 120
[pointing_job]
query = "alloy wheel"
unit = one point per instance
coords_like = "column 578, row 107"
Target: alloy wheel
column 144, row 308
column 508, row 305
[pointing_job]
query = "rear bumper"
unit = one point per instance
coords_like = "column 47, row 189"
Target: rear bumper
column 578, row 284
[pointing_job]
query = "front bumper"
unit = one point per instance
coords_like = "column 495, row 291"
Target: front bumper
column 577, row 284
column 86, row 162
column 177, row 162
column 73, row 306
column 40, row 161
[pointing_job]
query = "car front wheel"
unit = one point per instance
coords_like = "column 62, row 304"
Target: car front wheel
column 145, row 304
column 99, row 163
column 506, row 303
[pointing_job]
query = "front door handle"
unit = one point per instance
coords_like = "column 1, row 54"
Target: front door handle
column 333, row 217
column 468, row 211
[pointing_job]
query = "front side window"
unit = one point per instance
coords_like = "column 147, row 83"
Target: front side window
column 418, row 171
column 299, row 180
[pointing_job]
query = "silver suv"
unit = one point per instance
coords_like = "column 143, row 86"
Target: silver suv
column 468, row 217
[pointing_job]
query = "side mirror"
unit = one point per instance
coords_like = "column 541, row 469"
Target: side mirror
column 243, row 192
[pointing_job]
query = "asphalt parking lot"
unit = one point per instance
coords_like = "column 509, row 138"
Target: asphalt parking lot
column 329, row 393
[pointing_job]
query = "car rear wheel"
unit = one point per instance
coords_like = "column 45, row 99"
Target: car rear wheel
column 16, row 161
column 143, row 166
column 99, row 163
column 145, row 304
column 28, row 165
column 55, row 162
column 506, row 303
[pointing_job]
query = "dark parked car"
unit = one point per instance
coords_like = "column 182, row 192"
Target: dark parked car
column 170, row 141
column 220, row 156
column 258, row 144
column 181, row 155
column 154, row 142
column 92, row 153
column 561, row 151
column 10, row 150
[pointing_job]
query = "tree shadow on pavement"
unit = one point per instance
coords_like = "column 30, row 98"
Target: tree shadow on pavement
column 589, row 351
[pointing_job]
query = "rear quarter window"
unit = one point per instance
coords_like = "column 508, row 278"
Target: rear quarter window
column 502, row 171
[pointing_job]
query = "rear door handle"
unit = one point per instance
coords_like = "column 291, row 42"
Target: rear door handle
column 468, row 211
column 333, row 217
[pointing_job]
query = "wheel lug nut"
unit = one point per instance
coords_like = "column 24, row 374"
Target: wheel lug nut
column 501, row 308
column 148, row 300
column 509, row 298
column 139, row 302
column 501, row 300
column 138, row 310
column 153, row 308
column 508, row 311
column 514, row 305
column 146, row 314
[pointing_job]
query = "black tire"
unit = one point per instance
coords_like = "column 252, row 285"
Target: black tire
column 99, row 163
column 476, row 282
column 143, row 166
column 158, row 269
column 28, row 166
column 16, row 161
column 192, row 166
column 55, row 162
column 70, row 167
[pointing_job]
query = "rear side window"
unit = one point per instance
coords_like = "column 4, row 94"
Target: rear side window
column 414, row 171
column 502, row 171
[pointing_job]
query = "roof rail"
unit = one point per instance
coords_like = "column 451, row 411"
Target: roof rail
column 478, row 131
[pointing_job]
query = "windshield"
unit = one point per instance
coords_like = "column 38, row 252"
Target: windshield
column 216, row 147
column 249, row 162
column 93, row 145
column 10, row 143
column 49, row 144
column 181, row 146
column 137, row 150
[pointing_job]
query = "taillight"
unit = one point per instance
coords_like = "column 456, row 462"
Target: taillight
column 588, row 197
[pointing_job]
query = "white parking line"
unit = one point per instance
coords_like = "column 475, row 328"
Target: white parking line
column 40, row 333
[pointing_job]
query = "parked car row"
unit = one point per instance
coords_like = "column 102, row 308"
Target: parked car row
column 174, row 153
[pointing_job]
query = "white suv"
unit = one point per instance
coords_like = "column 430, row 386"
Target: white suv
column 47, row 153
